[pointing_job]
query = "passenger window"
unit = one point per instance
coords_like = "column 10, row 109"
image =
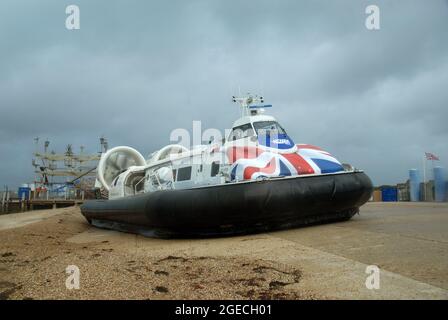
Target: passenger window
column 215, row 169
column 184, row 174
column 174, row 174
column 240, row 132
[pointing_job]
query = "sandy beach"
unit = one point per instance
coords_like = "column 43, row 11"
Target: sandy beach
column 408, row 242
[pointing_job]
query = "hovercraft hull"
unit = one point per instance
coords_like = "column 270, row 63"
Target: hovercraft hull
column 235, row 208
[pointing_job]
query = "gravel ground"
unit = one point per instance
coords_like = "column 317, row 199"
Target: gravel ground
column 33, row 258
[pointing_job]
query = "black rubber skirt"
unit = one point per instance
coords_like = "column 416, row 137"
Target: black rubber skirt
column 235, row 208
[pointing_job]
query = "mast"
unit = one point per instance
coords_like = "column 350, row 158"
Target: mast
column 247, row 103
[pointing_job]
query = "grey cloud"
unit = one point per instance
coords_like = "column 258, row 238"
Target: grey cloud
column 138, row 69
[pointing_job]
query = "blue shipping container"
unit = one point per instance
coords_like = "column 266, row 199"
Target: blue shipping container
column 389, row 194
column 24, row 191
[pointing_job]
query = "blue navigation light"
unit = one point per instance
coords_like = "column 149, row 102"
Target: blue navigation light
column 259, row 107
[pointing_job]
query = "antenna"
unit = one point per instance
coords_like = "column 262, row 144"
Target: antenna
column 36, row 144
column 46, row 144
column 104, row 144
column 247, row 103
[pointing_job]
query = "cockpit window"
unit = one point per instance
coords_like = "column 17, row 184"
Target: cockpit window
column 241, row 132
column 269, row 128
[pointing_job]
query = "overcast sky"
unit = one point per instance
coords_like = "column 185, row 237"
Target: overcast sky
column 138, row 69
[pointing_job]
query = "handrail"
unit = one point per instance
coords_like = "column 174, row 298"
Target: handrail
column 135, row 186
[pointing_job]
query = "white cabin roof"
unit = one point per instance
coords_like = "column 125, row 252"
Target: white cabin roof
column 252, row 119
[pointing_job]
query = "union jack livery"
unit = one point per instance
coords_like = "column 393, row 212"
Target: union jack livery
column 251, row 164
column 259, row 147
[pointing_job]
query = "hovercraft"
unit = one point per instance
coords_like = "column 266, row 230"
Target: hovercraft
column 256, row 179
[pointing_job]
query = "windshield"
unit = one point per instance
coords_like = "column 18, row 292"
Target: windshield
column 241, row 132
column 268, row 128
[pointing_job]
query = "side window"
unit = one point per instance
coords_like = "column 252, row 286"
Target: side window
column 174, row 174
column 184, row 174
column 234, row 135
column 215, row 169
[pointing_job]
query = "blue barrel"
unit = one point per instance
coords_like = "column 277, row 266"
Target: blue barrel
column 439, row 184
column 414, row 185
column 23, row 191
column 389, row 194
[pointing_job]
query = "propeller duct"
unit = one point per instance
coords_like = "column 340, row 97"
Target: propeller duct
column 116, row 161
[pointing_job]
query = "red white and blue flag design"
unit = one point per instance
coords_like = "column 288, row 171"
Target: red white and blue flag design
column 249, row 163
